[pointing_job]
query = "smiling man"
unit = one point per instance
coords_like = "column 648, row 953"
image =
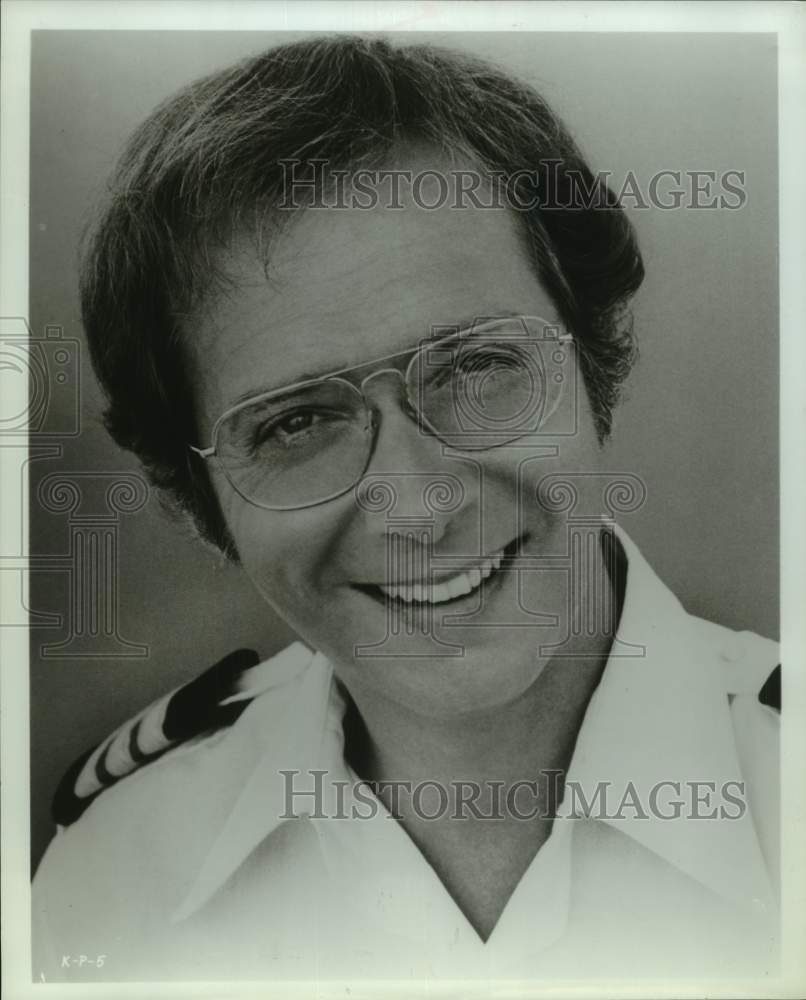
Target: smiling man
column 391, row 413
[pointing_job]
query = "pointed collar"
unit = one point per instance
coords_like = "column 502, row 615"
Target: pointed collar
column 660, row 714
column 658, row 729
column 290, row 729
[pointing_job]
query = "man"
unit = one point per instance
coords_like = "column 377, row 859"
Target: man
column 273, row 353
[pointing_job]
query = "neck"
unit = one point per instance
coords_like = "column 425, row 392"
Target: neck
column 528, row 740
column 507, row 743
column 520, row 740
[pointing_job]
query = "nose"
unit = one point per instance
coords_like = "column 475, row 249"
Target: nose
column 409, row 483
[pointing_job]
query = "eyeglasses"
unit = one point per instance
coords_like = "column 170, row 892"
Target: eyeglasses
column 474, row 389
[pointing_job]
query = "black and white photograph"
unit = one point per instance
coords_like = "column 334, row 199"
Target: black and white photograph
column 402, row 420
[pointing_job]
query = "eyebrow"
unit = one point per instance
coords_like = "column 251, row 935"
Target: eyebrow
column 439, row 330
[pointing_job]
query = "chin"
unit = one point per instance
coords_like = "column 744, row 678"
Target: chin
column 441, row 684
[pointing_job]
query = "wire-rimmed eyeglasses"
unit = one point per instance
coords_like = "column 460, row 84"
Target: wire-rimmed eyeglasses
column 475, row 389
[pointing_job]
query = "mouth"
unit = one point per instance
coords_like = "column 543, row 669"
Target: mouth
column 448, row 589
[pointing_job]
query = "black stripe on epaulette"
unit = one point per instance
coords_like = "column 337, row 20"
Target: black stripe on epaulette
column 770, row 693
column 196, row 707
column 66, row 807
column 193, row 710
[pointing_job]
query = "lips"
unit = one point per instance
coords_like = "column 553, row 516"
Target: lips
column 456, row 586
column 447, row 589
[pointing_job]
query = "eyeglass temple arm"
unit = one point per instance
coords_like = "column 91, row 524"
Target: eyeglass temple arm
column 203, row 452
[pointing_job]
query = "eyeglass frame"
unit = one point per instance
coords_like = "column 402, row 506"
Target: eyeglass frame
column 334, row 376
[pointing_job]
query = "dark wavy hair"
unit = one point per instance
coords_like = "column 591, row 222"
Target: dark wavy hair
column 207, row 165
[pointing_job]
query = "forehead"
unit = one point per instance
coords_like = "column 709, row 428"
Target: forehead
column 346, row 285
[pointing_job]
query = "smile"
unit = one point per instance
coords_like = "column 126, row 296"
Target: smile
column 451, row 588
column 456, row 586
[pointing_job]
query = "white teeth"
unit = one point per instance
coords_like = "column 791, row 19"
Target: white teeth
column 459, row 585
column 436, row 593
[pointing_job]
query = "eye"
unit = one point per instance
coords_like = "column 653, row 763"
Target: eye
column 308, row 427
column 286, row 428
column 296, row 423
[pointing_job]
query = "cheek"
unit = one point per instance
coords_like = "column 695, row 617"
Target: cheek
column 285, row 553
column 543, row 479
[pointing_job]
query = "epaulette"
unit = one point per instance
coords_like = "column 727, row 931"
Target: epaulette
column 770, row 693
column 208, row 703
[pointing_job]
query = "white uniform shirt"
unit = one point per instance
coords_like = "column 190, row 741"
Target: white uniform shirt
column 187, row 870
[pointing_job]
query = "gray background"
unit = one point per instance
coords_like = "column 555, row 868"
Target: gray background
column 699, row 424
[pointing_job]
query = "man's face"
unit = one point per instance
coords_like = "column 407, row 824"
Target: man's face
column 345, row 287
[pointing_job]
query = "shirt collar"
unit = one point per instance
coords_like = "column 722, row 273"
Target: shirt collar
column 660, row 714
